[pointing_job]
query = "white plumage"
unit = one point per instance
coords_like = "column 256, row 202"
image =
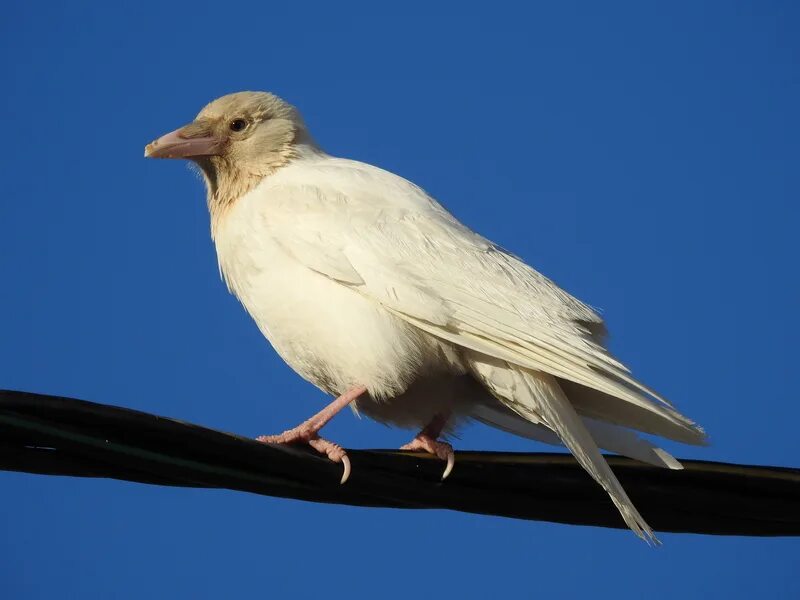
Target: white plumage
column 358, row 278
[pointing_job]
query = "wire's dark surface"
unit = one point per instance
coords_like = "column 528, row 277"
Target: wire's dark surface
column 63, row 436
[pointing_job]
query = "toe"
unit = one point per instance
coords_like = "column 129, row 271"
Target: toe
column 290, row 436
column 443, row 450
column 335, row 453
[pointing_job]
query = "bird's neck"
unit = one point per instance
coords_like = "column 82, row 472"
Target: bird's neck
column 226, row 182
column 224, row 186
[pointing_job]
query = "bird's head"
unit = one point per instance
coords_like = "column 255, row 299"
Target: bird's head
column 236, row 140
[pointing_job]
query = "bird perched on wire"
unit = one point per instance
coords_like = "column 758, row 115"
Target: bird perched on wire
column 373, row 292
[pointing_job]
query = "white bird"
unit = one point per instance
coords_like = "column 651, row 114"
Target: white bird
column 372, row 291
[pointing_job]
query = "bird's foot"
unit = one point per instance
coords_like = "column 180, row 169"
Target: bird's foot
column 306, row 435
column 308, row 432
column 433, row 446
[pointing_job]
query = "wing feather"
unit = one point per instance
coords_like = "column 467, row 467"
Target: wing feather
column 386, row 238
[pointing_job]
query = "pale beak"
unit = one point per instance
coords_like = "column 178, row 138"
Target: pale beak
column 182, row 144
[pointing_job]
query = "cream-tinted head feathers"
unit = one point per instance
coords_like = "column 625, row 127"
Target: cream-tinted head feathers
column 236, row 140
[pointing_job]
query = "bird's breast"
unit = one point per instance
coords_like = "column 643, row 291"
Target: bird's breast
column 331, row 334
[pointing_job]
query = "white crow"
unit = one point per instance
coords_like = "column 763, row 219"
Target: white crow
column 373, row 292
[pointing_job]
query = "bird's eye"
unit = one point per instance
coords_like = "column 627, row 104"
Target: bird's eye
column 237, row 125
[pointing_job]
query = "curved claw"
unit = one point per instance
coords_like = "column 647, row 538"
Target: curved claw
column 442, row 450
column 451, row 461
column 346, row 473
column 334, row 452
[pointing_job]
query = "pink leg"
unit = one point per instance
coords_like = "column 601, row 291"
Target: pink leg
column 427, row 440
column 308, row 431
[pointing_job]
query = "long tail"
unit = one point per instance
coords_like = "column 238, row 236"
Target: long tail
column 610, row 409
column 538, row 398
column 608, row 437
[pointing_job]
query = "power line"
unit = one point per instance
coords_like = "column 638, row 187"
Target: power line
column 53, row 435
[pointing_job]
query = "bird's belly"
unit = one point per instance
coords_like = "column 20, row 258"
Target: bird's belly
column 430, row 395
column 329, row 333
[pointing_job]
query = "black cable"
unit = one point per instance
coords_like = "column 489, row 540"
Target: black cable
column 62, row 436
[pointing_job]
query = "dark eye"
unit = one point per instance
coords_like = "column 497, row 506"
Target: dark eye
column 237, row 125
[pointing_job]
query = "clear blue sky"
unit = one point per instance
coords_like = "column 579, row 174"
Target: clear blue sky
column 643, row 156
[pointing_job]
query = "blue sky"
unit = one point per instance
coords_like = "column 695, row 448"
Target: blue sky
column 644, row 155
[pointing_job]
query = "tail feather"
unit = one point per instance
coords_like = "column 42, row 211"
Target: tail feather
column 548, row 400
column 598, row 405
column 608, row 437
column 538, row 398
